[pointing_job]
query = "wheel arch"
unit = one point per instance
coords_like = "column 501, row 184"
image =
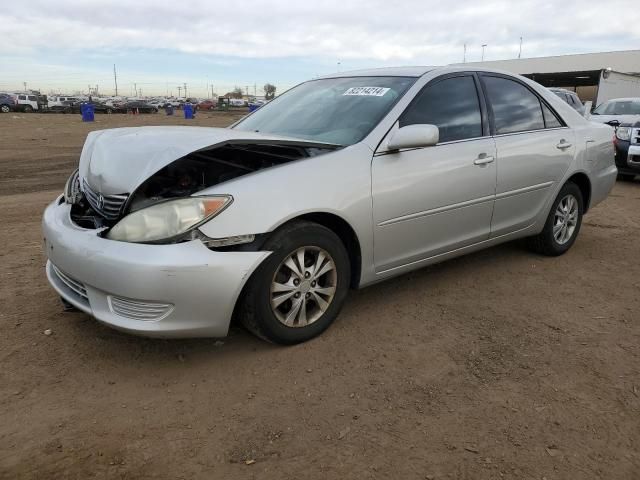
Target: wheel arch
column 581, row 179
column 345, row 233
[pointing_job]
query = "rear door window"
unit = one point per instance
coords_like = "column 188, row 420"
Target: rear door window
column 451, row 104
column 515, row 107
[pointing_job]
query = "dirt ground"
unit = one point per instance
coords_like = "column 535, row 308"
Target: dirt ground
column 501, row 364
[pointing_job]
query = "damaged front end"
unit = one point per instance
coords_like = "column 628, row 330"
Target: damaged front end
column 165, row 207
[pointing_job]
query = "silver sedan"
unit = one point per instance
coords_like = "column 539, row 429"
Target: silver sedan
column 341, row 182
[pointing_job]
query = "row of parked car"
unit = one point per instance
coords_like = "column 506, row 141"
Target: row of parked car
column 64, row 104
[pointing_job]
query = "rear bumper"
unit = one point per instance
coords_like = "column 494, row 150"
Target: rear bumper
column 180, row 290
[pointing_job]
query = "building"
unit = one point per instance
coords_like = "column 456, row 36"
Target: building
column 593, row 76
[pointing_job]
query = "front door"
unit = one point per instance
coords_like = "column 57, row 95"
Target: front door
column 432, row 200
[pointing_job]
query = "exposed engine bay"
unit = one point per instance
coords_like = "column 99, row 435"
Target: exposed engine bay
column 196, row 171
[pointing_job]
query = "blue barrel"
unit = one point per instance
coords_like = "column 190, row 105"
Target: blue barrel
column 188, row 111
column 253, row 107
column 169, row 109
column 87, row 110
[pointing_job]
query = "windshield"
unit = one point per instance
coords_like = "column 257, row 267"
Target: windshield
column 627, row 107
column 341, row 111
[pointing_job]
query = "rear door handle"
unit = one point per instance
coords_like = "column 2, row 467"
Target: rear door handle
column 563, row 144
column 483, row 159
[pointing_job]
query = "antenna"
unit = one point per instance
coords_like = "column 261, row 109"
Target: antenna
column 115, row 78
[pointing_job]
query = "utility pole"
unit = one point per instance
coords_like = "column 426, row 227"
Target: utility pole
column 464, row 54
column 115, row 78
column 484, row 45
column 185, row 90
column 25, row 86
column 247, row 89
column 520, row 51
column 254, row 89
column 96, row 90
column 338, row 66
column 212, row 91
column 179, row 89
column 135, row 88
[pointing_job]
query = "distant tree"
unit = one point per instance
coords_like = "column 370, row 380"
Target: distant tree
column 237, row 92
column 269, row 91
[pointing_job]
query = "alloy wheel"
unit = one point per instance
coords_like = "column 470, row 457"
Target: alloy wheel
column 565, row 219
column 303, row 286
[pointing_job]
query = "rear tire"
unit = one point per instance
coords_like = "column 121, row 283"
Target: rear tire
column 563, row 223
column 286, row 304
column 28, row 109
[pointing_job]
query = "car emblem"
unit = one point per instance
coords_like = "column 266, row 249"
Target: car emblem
column 100, row 201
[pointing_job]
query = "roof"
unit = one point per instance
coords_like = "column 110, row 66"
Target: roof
column 627, row 61
column 383, row 72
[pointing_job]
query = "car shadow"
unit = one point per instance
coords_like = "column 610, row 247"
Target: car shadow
column 113, row 343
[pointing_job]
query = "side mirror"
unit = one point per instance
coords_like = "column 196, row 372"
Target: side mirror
column 414, row 136
column 613, row 123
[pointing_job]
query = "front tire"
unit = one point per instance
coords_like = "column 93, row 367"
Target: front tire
column 299, row 290
column 5, row 108
column 563, row 223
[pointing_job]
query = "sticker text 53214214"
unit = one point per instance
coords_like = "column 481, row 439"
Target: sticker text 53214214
column 367, row 91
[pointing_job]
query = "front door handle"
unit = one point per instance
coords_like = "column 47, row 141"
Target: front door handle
column 563, row 144
column 483, row 159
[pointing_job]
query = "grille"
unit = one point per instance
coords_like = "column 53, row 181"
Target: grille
column 109, row 207
column 635, row 136
column 71, row 283
column 139, row 310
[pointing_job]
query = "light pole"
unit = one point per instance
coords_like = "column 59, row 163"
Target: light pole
column 484, row 45
column 520, row 51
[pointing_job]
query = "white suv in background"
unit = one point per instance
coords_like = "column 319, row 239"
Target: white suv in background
column 59, row 101
column 27, row 102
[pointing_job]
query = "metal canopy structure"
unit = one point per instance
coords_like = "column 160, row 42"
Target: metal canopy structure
column 582, row 73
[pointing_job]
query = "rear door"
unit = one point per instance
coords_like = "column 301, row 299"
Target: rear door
column 534, row 150
column 431, row 200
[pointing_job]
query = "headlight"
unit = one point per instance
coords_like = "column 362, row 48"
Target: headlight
column 72, row 192
column 623, row 133
column 168, row 220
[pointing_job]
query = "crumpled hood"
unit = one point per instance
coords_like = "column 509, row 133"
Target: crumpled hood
column 117, row 161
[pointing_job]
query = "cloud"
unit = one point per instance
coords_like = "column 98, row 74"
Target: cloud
column 287, row 40
column 406, row 31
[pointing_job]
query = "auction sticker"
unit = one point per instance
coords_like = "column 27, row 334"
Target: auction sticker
column 367, row 91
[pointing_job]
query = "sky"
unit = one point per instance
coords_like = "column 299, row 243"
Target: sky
column 156, row 45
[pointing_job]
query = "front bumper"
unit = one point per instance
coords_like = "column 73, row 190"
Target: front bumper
column 627, row 158
column 178, row 290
